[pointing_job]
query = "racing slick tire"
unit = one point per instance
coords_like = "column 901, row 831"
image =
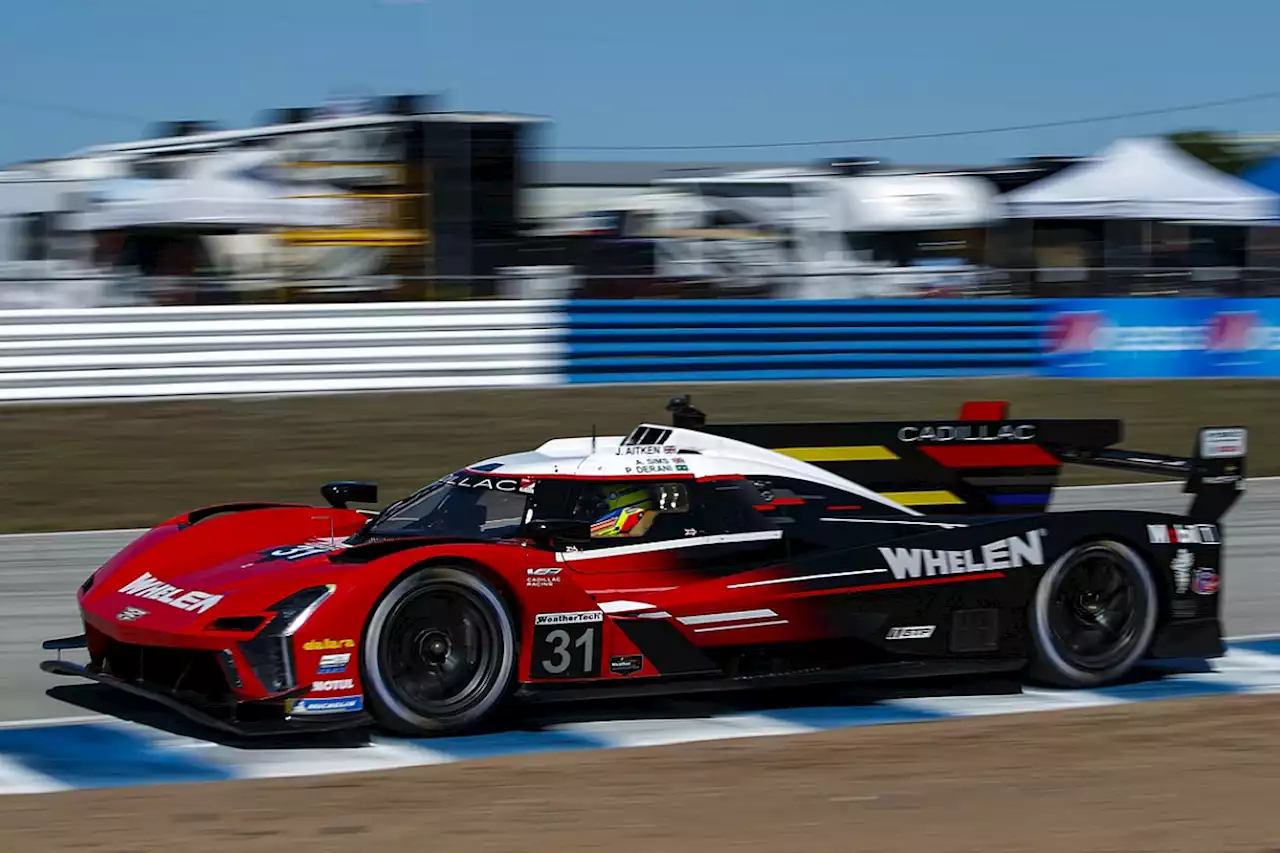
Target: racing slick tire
column 1093, row 616
column 439, row 653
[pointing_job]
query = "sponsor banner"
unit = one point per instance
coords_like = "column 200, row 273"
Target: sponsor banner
column 1182, row 565
column 327, row 645
column 961, row 433
column 1012, row 552
column 1163, row 338
column 1223, row 443
column 152, row 588
column 1183, row 534
column 569, row 618
column 545, row 576
column 327, row 705
column 910, row 632
column 333, row 664
column 626, row 664
column 333, row 684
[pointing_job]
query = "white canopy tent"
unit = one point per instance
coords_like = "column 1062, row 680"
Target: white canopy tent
column 221, row 193
column 1144, row 179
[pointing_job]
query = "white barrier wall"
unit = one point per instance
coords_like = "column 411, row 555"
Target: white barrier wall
column 122, row 353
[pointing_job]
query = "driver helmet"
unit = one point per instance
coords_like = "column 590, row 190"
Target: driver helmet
column 628, row 511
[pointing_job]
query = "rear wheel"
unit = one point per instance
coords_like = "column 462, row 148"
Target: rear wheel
column 439, row 654
column 1093, row 616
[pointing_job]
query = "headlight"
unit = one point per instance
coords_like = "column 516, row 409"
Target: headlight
column 269, row 653
column 295, row 610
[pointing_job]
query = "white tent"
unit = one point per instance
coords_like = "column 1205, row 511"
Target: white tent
column 227, row 192
column 1148, row 179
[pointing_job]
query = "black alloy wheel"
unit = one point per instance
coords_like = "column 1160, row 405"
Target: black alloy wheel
column 1093, row 616
column 439, row 654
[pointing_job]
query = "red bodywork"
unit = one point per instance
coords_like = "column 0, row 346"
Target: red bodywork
column 183, row 566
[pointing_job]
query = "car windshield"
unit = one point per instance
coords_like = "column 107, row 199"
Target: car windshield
column 469, row 506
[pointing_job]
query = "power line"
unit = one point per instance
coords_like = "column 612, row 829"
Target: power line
column 103, row 115
column 940, row 134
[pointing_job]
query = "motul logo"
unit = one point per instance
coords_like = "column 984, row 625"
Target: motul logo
column 1011, row 553
column 333, row 684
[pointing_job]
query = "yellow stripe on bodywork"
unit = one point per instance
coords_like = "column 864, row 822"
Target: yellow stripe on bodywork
column 925, row 498
column 851, row 453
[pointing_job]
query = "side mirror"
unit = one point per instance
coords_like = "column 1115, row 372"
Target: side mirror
column 549, row 531
column 341, row 493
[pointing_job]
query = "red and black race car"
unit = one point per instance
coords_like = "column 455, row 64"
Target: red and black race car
column 678, row 558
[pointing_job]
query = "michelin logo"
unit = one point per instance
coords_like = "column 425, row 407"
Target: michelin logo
column 1010, row 553
column 335, row 705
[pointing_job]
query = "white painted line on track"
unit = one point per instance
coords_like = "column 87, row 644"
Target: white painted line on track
column 1028, row 700
column 16, row 778
column 664, row 732
column 54, row 721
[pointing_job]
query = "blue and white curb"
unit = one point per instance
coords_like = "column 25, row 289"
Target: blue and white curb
column 61, row 756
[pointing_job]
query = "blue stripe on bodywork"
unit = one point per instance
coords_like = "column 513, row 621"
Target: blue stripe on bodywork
column 1019, row 500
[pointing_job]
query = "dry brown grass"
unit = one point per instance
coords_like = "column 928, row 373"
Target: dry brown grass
column 132, row 464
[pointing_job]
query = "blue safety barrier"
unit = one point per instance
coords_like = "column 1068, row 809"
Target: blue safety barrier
column 755, row 339
column 1162, row 338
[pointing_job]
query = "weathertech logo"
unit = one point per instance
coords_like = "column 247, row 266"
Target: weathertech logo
column 569, row 618
column 1011, row 553
column 1182, row 534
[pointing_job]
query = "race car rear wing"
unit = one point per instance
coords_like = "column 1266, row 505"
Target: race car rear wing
column 1214, row 473
column 984, row 462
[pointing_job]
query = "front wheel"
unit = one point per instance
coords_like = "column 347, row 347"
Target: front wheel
column 1093, row 616
column 439, row 653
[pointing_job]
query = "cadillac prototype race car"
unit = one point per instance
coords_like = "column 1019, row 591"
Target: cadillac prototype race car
column 678, row 558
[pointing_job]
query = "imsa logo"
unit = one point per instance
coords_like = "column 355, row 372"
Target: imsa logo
column 1183, row 534
column 1010, row 553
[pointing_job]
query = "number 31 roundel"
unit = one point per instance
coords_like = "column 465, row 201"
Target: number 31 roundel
column 567, row 645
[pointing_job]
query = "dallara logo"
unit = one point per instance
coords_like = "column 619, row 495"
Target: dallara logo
column 1011, row 553
column 328, row 645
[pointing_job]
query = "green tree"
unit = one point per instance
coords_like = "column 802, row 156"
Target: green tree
column 1217, row 149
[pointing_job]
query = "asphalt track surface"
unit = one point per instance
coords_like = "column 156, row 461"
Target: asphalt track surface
column 40, row 572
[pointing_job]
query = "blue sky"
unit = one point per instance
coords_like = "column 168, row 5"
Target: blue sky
column 651, row 73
